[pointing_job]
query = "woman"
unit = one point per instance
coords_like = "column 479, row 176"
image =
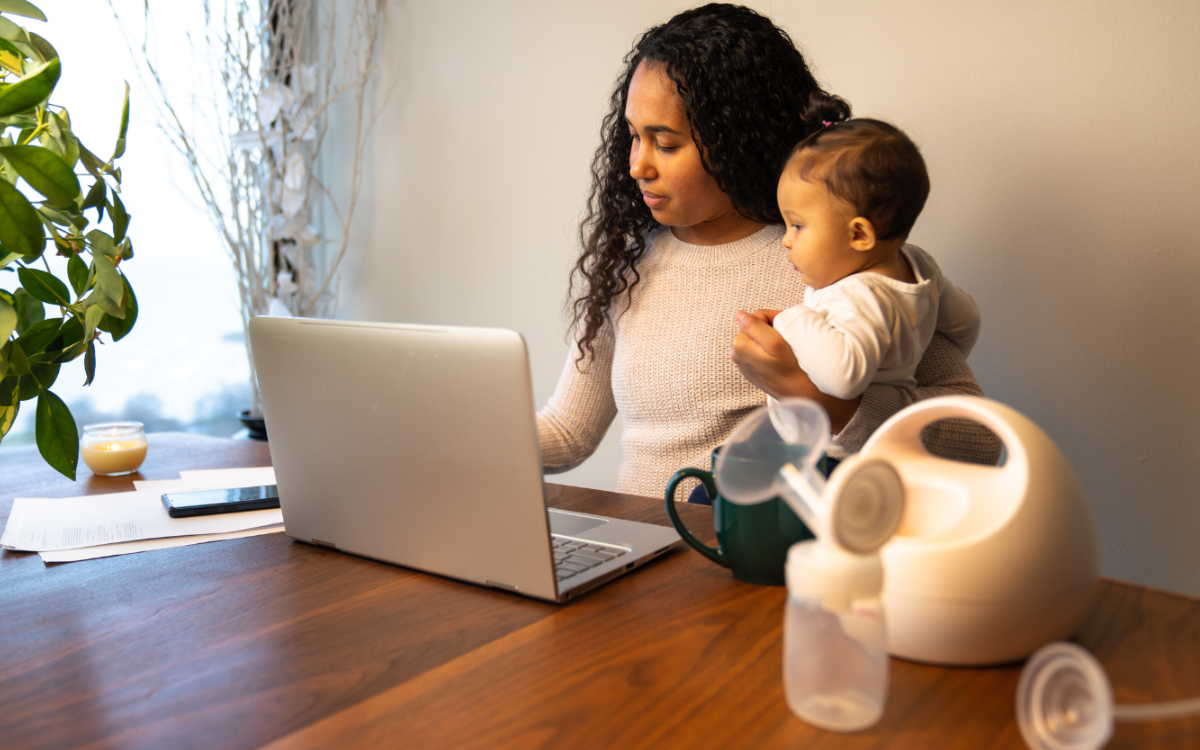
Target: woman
column 682, row 234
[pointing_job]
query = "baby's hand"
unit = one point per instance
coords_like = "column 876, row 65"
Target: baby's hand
column 766, row 316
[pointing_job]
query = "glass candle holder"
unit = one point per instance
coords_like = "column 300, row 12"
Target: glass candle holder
column 113, row 448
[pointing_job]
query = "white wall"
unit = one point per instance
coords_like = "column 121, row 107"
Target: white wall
column 1060, row 138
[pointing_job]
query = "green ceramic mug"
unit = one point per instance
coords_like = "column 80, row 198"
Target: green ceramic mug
column 752, row 540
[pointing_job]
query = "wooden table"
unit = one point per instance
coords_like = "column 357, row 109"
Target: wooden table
column 267, row 642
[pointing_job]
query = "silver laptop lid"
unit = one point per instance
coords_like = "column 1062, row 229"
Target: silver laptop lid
column 412, row 444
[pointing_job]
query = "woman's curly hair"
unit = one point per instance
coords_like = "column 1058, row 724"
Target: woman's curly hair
column 745, row 88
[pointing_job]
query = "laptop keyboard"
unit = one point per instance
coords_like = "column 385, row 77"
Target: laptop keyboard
column 572, row 557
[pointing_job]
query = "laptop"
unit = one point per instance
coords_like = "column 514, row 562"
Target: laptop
column 417, row 445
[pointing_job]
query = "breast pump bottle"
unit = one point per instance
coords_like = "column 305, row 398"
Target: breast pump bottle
column 835, row 661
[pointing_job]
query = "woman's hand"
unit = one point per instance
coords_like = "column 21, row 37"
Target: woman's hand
column 767, row 361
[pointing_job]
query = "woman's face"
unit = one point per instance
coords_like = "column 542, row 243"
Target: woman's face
column 666, row 164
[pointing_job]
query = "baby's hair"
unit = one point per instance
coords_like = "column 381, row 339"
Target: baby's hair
column 872, row 165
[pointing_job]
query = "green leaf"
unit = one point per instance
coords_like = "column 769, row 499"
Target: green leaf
column 77, row 272
column 108, row 281
column 89, row 363
column 9, row 30
column 35, row 338
column 91, row 319
column 120, row 148
column 7, row 172
column 8, row 322
column 101, row 242
column 71, row 155
column 21, row 8
column 44, row 286
column 20, row 227
column 7, row 256
column 51, row 140
column 27, row 388
column 18, row 363
column 29, row 310
column 31, row 90
column 4, row 350
column 99, row 299
column 119, row 216
column 9, row 47
column 68, row 344
column 8, row 415
column 54, row 216
column 95, row 197
column 43, row 374
column 45, row 171
column 44, row 48
column 91, row 162
column 119, row 328
column 24, row 122
column 57, row 435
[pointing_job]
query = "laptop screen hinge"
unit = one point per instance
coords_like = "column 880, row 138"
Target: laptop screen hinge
column 498, row 585
column 328, row 545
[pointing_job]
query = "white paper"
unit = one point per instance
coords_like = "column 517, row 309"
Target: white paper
column 125, row 548
column 45, row 524
column 210, row 479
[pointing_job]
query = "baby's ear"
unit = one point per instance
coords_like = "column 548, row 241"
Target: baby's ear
column 862, row 234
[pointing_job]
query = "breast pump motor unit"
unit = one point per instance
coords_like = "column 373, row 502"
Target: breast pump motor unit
column 991, row 562
column 980, row 564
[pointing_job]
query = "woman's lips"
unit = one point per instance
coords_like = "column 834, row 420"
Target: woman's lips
column 653, row 200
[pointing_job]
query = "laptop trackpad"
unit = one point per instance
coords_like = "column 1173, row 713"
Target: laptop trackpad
column 572, row 524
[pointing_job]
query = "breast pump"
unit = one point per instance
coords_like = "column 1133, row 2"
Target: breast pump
column 985, row 565
column 835, row 646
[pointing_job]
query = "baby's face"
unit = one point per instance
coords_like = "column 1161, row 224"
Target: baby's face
column 818, row 231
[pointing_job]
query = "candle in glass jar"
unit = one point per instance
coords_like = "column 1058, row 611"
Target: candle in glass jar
column 113, row 448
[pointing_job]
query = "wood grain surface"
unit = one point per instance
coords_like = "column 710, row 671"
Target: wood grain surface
column 263, row 641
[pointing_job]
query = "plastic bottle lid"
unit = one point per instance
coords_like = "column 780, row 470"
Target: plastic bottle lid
column 817, row 570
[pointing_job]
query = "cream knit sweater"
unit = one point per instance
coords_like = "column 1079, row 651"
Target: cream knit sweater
column 664, row 364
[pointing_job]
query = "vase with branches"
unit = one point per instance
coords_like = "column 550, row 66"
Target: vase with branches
column 252, row 139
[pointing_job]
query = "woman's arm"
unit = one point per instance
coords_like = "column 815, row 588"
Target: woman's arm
column 573, row 423
column 765, row 359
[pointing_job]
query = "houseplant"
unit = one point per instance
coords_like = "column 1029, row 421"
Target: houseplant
column 43, row 207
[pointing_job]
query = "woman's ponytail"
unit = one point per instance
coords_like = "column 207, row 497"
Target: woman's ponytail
column 825, row 109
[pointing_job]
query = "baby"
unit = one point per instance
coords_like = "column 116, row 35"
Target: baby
column 849, row 194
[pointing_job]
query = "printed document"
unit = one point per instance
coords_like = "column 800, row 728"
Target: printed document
column 49, row 524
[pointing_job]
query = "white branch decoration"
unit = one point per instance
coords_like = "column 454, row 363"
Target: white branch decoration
column 268, row 121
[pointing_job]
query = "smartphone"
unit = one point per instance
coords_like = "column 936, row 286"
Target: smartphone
column 181, row 504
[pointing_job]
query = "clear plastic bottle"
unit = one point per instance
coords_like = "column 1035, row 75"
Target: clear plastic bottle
column 835, row 661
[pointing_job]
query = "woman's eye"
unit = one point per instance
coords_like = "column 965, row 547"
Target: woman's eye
column 667, row 149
